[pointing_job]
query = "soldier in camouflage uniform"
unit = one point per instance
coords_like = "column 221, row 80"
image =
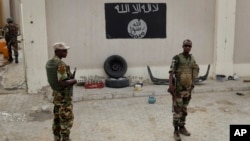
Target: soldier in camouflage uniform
column 61, row 81
column 182, row 73
column 10, row 34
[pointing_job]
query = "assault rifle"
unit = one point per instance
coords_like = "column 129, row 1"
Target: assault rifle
column 72, row 77
column 74, row 73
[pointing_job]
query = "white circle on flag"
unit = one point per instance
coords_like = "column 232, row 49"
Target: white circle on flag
column 137, row 28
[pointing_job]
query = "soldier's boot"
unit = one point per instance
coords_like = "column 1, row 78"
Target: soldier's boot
column 66, row 139
column 16, row 58
column 57, row 138
column 177, row 136
column 10, row 59
column 184, row 131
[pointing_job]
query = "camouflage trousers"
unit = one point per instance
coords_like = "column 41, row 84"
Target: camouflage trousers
column 63, row 116
column 180, row 103
column 12, row 45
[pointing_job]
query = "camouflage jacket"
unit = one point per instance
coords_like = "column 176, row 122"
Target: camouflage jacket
column 185, row 70
column 63, row 73
column 10, row 31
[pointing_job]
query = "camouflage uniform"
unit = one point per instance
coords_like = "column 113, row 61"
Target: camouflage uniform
column 185, row 70
column 63, row 107
column 10, row 34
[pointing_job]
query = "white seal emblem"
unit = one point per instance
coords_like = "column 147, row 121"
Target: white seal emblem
column 137, row 28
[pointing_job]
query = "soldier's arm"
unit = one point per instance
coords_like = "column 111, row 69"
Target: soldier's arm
column 195, row 67
column 67, row 83
column 171, row 88
column 171, row 75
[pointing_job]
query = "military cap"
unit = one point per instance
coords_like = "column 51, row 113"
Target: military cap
column 60, row 46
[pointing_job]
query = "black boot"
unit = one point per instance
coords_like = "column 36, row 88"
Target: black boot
column 184, row 131
column 10, row 59
column 65, row 137
column 16, row 58
column 177, row 136
column 57, row 138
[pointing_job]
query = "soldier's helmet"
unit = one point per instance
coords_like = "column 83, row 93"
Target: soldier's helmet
column 9, row 20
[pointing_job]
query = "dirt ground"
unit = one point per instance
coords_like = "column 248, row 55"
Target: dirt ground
column 25, row 117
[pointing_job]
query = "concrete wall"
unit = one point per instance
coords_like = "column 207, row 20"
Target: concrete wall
column 16, row 11
column 34, row 43
column 81, row 24
column 242, row 38
column 224, row 37
column 211, row 25
column 1, row 14
column 4, row 11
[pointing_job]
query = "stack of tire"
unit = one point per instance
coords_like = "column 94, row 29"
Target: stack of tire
column 115, row 67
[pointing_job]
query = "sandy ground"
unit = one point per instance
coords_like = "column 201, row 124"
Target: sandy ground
column 26, row 117
column 123, row 115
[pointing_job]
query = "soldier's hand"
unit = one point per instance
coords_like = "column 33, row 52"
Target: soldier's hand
column 192, row 86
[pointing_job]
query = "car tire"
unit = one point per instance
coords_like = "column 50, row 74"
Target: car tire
column 115, row 66
column 117, row 82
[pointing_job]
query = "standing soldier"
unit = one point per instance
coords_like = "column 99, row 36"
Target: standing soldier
column 61, row 81
column 181, row 83
column 10, row 33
